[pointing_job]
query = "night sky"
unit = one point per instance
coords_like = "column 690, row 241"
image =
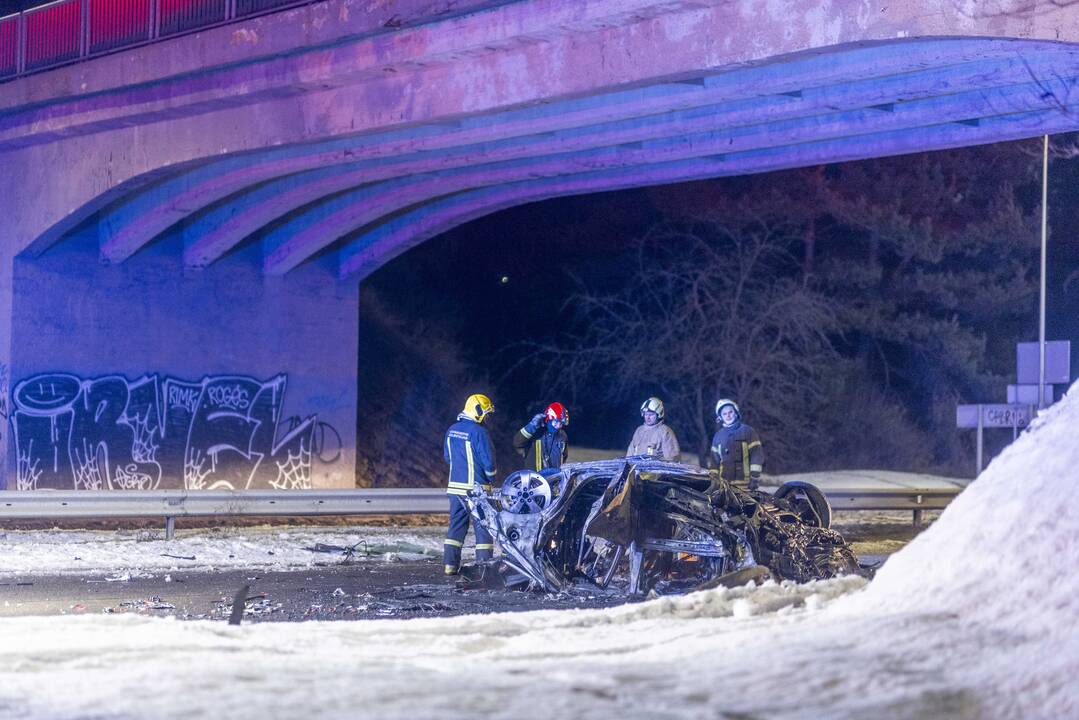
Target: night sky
column 501, row 281
column 12, row 6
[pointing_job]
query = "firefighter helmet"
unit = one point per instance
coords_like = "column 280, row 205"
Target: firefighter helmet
column 555, row 411
column 723, row 402
column 653, row 404
column 478, row 407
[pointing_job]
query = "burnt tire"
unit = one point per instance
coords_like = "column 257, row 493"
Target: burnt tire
column 808, row 501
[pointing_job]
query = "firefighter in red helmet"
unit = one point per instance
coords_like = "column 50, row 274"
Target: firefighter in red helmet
column 543, row 442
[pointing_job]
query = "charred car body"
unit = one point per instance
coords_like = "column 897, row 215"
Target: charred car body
column 639, row 525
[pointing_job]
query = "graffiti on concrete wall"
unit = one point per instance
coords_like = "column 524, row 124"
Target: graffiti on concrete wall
column 110, row 433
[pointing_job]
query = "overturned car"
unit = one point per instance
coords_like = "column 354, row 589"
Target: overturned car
column 639, row 525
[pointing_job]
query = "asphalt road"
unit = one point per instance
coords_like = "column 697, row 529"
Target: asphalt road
column 357, row 591
column 337, row 590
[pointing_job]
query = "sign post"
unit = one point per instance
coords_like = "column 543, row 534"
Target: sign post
column 981, row 432
column 1041, row 281
column 983, row 416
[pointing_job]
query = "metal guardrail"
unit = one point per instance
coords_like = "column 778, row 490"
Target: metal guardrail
column 913, row 500
column 172, row 504
column 64, row 31
column 890, row 499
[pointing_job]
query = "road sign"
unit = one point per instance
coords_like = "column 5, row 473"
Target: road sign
column 996, row 416
column 1028, row 394
column 1005, row 416
column 1057, row 363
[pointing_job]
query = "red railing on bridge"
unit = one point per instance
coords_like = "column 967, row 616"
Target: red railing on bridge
column 53, row 34
column 9, row 45
column 69, row 30
column 116, row 23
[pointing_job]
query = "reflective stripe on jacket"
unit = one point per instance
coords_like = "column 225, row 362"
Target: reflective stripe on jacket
column 738, row 453
column 543, row 449
column 467, row 448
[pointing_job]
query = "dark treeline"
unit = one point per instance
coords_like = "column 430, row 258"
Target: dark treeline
column 848, row 308
column 13, row 6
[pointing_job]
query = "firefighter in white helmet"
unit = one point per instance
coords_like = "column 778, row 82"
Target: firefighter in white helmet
column 654, row 437
column 736, row 447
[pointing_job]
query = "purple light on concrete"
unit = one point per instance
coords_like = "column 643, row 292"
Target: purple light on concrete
column 218, row 232
column 373, row 249
column 221, row 234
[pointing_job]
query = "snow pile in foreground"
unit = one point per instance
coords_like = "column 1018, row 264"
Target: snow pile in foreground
column 1003, row 556
column 684, row 657
column 26, row 553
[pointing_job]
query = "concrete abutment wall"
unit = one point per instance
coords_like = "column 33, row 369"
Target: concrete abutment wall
column 144, row 375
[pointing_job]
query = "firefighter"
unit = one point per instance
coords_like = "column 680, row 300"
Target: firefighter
column 468, row 450
column 543, row 442
column 736, row 447
column 654, row 437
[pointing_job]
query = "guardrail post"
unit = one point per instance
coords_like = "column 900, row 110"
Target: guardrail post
column 170, row 527
column 917, row 512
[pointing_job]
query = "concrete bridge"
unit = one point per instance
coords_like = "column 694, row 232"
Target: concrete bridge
column 184, row 224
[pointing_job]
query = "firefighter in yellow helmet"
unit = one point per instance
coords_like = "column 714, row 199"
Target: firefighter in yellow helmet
column 468, row 450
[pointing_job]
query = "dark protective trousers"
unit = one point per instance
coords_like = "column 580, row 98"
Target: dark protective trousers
column 455, row 536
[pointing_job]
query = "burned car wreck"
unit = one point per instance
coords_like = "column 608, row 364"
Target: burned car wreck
column 640, row 526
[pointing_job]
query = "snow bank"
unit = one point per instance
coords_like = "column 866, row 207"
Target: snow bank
column 1003, row 556
column 684, row 657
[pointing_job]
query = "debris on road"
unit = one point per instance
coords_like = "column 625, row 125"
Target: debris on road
column 141, row 605
column 151, row 603
column 238, row 606
column 254, row 605
column 391, row 552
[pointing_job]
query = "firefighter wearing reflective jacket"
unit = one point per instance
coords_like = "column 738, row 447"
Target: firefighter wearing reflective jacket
column 736, row 447
column 543, row 442
column 468, row 450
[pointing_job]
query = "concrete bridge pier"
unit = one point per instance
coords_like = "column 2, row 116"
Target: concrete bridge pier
column 150, row 375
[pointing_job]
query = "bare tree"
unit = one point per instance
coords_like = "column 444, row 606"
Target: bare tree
column 712, row 309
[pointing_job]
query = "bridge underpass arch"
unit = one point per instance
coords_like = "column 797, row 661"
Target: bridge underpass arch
column 298, row 200
column 297, row 225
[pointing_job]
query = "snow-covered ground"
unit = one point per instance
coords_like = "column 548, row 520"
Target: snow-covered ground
column 26, row 553
column 978, row 617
